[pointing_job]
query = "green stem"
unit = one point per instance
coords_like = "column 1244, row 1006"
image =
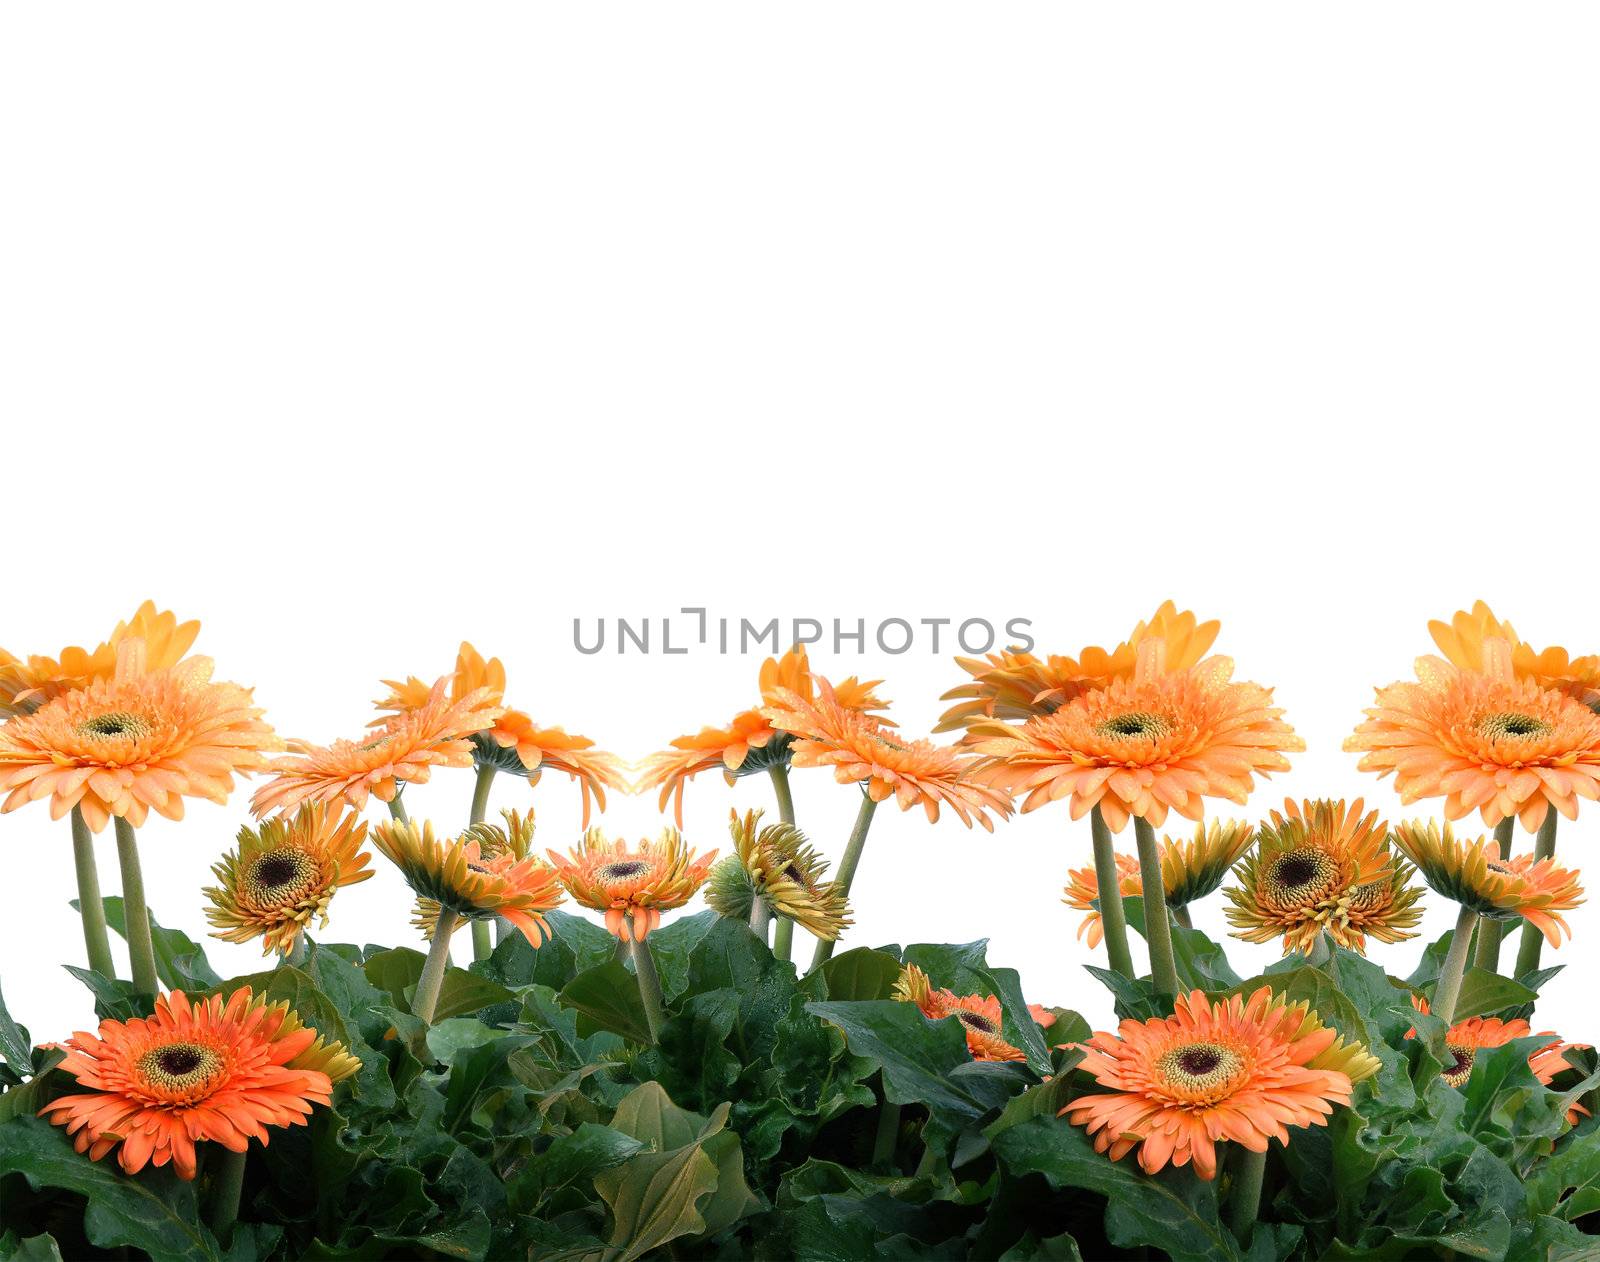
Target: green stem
column 1113, row 922
column 297, row 955
column 480, row 793
column 1490, row 931
column 227, row 1191
column 96, row 941
column 760, row 915
column 431, row 982
column 847, row 871
column 1180, row 916
column 1245, row 1199
column 136, row 915
column 1532, row 944
column 482, row 940
column 1157, row 928
column 1448, row 988
column 397, row 808
column 783, row 931
column 644, row 968
column 1320, row 952
column 888, row 1136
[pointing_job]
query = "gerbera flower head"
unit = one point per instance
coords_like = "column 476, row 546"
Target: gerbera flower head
column 1239, row 1069
column 1465, row 1039
column 1142, row 745
column 632, row 885
column 862, row 751
column 1195, row 867
column 1464, row 641
column 25, row 685
column 1484, row 741
column 404, row 750
column 141, row 740
column 1323, row 867
column 216, row 1069
column 455, row 873
column 749, row 744
column 1473, row 874
column 513, row 742
column 1015, row 686
column 1083, row 893
column 980, row 1016
column 283, row 874
column 778, row 866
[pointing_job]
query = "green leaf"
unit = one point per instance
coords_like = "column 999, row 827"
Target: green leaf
column 1568, row 1184
column 577, row 1158
column 32, row 1249
column 575, row 944
column 1483, row 992
column 673, row 944
column 114, row 999
column 31, row 1096
column 462, row 992
column 917, row 1056
column 1202, row 964
column 447, row 1039
column 153, row 1210
column 965, row 969
column 16, row 1048
column 181, row 962
column 606, row 997
column 1173, row 1211
column 1135, row 998
column 861, row 973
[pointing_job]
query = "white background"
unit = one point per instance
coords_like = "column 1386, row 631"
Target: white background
column 355, row 330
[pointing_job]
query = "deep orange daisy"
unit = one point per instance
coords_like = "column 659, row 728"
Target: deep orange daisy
column 139, row 741
column 1014, row 686
column 749, row 743
column 1238, row 1069
column 223, row 1070
column 1465, row 1039
column 25, row 685
column 514, row 742
column 1159, row 740
column 1486, row 742
column 633, row 885
column 980, row 1015
column 1464, row 641
column 403, row 751
column 861, row 750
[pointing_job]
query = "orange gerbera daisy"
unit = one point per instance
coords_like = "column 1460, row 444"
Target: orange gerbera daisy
column 223, row 1070
column 1083, row 893
column 140, row 740
column 1465, row 1039
column 1019, row 685
column 749, row 743
column 514, row 742
column 283, row 875
column 1139, row 746
column 980, row 1015
column 633, row 885
column 1484, row 742
column 861, row 750
column 405, row 750
column 25, row 685
column 1238, row 1069
column 1464, row 641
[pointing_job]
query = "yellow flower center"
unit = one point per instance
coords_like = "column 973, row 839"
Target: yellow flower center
column 117, row 724
column 1301, row 876
column 279, row 877
column 977, row 1021
column 1369, row 896
column 177, row 1066
column 623, row 869
column 1460, row 1069
column 1509, row 725
column 1135, row 725
column 1200, row 1068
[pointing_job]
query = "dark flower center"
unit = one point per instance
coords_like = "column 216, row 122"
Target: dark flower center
column 120, row 723
column 1135, row 725
column 977, row 1022
column 1200, row 1067
column 1295, row 870
column 1199, row 1061
column 1460, row 1068
column 1512, row 726
column 1300, row 876
column 179, row 1065
column 281, row 876
column 622, row 870
column 276, row 870
column 178, row 1060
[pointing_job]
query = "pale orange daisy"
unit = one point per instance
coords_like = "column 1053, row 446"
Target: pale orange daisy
column 26, row 684
column 1464, row 641
column 1239, row 1069
column 632, row 885
column 981, row 1017
column 1485, row 742
column 1140, row 746
column 749, row 743
column 862, row 751
column 141, row 740
column 1012, row 685
column 514, row 742
column 403, row 751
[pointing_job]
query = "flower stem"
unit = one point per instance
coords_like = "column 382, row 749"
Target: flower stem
column 847, row 871
column 135, row 914
column 96, row 941
column 888, row 1136
column 644, row 968
column 1320, row 952
column 1180, row 916
column 760, row 915
column 297, row 955
column 480, row 793
column 1113, row 923
column 431, row 982
column 783, row 931
column 1532, row 944
column 397, row 809
column 1245, row 1199
column 1448, row 988
column 1157, row 928
column 1490, row 931
column 227, row 1191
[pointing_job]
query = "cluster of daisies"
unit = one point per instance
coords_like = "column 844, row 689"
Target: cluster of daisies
column 1153, row 726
